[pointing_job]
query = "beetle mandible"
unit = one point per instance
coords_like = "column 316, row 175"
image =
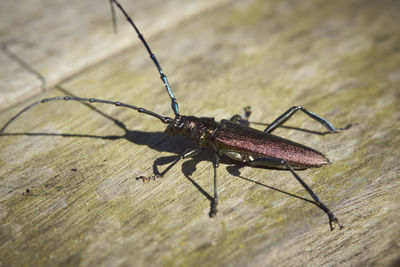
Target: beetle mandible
column 228, row 138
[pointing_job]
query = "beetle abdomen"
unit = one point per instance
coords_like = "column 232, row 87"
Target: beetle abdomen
column 234, row 137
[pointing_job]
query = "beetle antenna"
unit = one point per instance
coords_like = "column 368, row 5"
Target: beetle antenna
column 174, row 103
column 163, row 119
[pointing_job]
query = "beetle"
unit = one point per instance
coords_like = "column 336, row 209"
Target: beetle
column 228, row 138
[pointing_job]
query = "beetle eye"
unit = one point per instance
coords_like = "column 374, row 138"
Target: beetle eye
column 178, row 123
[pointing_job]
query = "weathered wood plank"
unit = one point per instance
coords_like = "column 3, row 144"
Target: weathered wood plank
column 62, row 39
column 339, row 59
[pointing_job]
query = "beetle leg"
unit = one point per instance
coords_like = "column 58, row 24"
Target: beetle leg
column 279, row 163
column 289, row 113
column 214, row 202
column 187, row 153
column 236, row 118
column 242, row 120
column 331, row 216
column 247, row 113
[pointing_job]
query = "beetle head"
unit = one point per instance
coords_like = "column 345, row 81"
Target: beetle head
column 199, row 130
column 176, row 126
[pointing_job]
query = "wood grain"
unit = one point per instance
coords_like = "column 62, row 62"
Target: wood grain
column 339, row 59
column 63, row 39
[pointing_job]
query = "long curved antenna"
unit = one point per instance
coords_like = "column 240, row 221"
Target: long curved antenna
column 91, row 100
column 174, row 103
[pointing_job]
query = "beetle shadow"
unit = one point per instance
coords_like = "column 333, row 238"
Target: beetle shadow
column 158, row 141
column 163, row 142
column 189, row 168
column 235, row 171
column 154, row 140
column 14, row 57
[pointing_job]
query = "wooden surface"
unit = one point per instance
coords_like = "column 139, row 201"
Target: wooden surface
column 61, row 40
column 339, row 59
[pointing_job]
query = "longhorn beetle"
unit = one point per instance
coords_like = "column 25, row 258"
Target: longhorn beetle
column 228, row 138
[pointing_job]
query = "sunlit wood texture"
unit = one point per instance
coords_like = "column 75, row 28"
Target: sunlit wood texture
column 61, row 39
column 339, row 59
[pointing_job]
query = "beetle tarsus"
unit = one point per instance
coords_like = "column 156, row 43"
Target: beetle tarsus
column 213, row 208
column 347, row 127
column 242, row 120
column 146, row 179
column 333, row 219
column 247, row 113
column 331, row 216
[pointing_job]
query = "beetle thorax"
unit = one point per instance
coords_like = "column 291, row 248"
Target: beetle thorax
column 200, row 130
